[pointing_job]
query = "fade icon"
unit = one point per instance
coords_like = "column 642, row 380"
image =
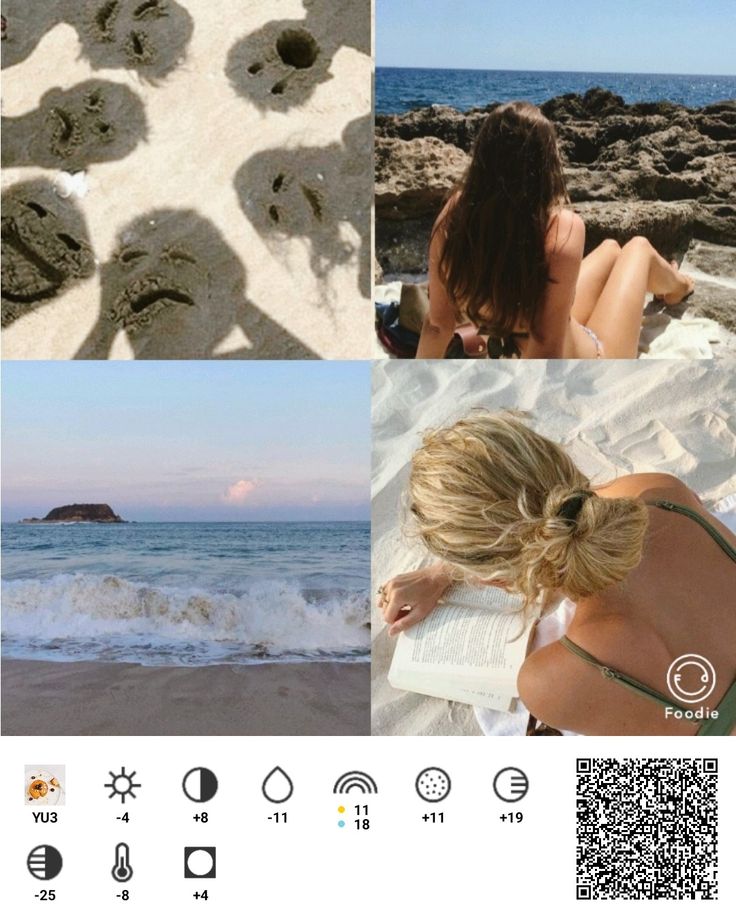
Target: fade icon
column 355, row 779
column 511, row 784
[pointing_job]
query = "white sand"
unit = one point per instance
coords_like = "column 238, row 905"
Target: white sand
column 614, row 417
column 200, row 133
column 665, row 334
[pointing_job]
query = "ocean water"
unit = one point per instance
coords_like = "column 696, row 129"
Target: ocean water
column 186, row 594
column 399, row 89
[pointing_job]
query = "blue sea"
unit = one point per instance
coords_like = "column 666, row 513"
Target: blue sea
column 186, row 594
column 400, row 89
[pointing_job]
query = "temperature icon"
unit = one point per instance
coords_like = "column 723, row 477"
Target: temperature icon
column 122, row 871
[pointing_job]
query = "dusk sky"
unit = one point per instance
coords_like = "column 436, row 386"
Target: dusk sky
column 628, row 36
column 188, row 441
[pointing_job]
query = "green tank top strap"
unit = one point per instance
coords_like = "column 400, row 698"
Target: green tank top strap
column 729, row 550
column 726, row 720
column 623, row 679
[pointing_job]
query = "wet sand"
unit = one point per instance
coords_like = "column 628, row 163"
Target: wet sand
column 91, row 698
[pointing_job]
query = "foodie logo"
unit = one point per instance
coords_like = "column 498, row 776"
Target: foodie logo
column 691, row 678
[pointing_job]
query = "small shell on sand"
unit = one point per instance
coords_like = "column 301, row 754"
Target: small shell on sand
column 67, row 185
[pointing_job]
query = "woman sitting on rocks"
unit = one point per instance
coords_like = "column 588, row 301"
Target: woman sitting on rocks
column 650, row 571
column 507, row 256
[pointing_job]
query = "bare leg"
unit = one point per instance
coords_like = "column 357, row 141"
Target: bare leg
column 616, row 317
column 594, row 272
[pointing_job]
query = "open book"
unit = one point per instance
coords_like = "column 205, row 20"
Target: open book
column 469, row 649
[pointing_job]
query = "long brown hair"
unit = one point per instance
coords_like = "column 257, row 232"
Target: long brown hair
column 493, row 261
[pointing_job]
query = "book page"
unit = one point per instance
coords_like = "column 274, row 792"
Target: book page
column 465, row 640
column 469, row 649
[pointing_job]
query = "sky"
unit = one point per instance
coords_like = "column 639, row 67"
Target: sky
column 188, row 441
column 625, row 36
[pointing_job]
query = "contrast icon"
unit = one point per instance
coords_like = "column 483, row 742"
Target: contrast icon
column 200, row 862
column 200, row 785
column 44, row 862
column 511, row 784
column 122, row 871
column 277, row 786
column 691, row 678
column 354, row 779
column 433, row 784
column 122, row 784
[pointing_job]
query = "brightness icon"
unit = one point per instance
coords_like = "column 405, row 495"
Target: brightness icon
column 122, row 784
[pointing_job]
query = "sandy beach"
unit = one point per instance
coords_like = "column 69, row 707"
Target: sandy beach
column 627, row 417
column 204, row 164
column 50, row 698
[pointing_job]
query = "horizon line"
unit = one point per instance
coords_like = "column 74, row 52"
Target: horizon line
column 272, row 521
column 637, row 73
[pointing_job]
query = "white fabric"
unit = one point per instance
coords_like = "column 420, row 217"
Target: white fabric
column 662, row 336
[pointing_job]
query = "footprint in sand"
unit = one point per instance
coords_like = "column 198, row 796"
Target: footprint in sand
column 309, row 192
column 92, row 122
column 45, row 248
column 177, row 290
column 149, row 36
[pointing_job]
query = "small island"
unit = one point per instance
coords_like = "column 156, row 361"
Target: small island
column 78, row 514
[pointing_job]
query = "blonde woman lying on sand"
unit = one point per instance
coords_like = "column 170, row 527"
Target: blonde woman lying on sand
column 652, row 573
column 506, row 255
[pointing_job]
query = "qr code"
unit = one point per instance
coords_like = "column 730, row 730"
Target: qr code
column 647, row 828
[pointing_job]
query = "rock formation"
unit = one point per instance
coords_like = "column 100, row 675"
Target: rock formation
column 658, row 170
column 65, row 514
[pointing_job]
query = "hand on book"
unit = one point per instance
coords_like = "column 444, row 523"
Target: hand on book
column 409, row 598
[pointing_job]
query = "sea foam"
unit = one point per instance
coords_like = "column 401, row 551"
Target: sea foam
column 84, row 616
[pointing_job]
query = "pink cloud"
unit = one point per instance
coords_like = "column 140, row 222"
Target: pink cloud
column 237, row 493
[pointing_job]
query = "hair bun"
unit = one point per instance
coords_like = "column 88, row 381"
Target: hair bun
column 571, row 507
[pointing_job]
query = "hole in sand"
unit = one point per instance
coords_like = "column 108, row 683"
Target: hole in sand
column 42, row 212
column 69, row 242
column 278, row 88
column 67, row 124
column 297, row 48
column 278, row 182
column 154, row 7
column 152, row 297
column 273, row 213
column 94, row 101
column 130, row 255
column 255, row 68
column 139, row 48
column 314, row 200
column 105, row 17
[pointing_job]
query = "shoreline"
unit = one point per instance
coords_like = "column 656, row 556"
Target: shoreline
column 104, row 698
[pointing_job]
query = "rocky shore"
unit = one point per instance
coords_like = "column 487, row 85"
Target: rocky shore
column 658, row 170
